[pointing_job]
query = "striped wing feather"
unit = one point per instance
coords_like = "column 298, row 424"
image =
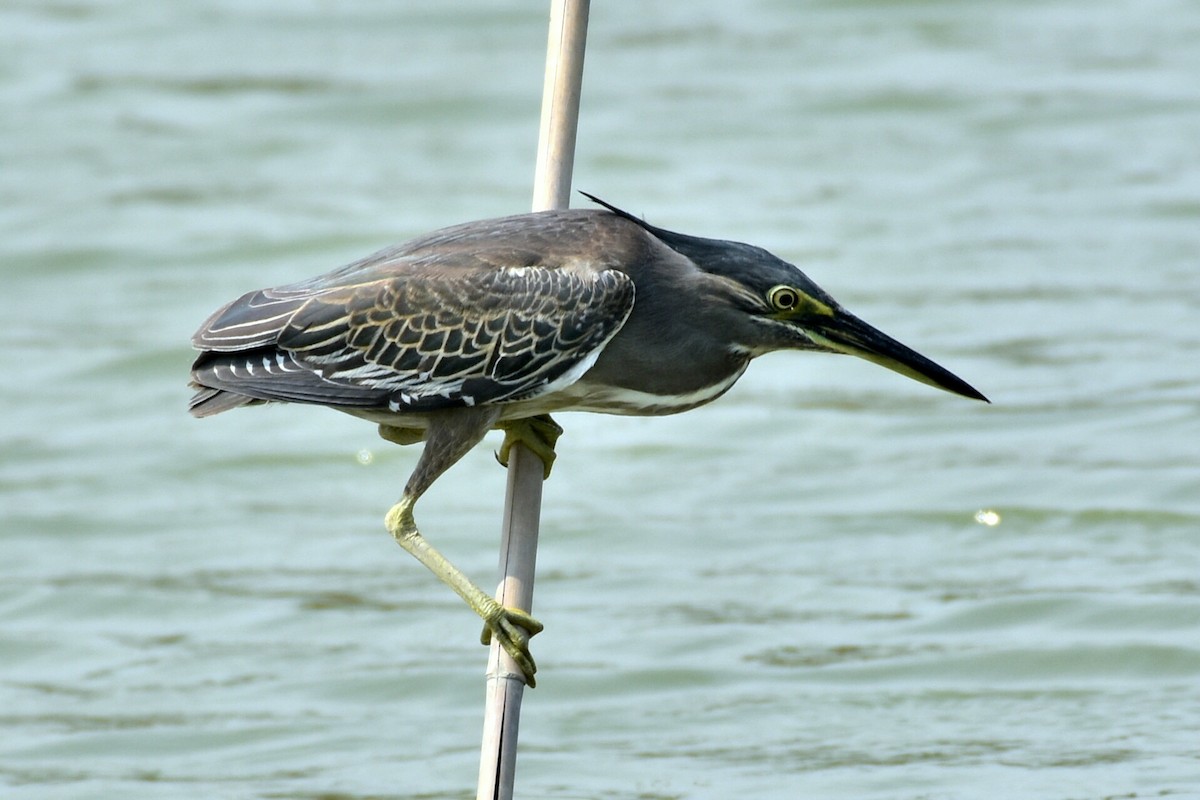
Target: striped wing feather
column 420, row 340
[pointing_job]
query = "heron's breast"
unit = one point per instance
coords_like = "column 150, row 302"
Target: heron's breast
column 602, row 397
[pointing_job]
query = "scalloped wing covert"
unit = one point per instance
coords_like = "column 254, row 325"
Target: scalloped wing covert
column 418, row 341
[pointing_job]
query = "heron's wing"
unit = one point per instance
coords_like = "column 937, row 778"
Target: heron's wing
column 419, row 340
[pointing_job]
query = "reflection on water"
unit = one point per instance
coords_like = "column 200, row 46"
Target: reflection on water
column 987, row 517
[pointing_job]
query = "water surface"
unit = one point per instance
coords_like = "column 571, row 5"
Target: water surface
column 785, row 594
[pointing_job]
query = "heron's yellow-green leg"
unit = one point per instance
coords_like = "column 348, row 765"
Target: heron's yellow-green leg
column 539, row 434
column 511, row 627
column 448, row 436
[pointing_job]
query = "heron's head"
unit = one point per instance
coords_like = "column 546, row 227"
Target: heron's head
column 762, row 303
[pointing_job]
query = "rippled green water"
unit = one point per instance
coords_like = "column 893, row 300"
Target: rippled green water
column 785, row 594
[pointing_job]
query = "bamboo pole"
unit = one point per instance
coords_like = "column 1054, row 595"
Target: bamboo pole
column 523, row 498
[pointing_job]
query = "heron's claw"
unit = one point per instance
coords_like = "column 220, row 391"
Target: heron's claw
column 512, row 629
column 539, row 434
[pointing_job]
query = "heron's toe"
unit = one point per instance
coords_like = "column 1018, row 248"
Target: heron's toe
column 512, row 629
column 539, row 434
column 401, row 436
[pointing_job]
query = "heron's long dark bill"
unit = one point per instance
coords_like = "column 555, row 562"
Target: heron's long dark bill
column 845, row 333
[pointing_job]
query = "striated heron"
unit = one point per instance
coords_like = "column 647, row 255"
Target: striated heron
column 498, row 323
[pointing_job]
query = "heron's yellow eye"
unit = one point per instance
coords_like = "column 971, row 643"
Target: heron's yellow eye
column 784, row 298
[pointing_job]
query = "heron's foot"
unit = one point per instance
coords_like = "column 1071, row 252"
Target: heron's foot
column 401, row 436
column 512, row 628
column 539, row 434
